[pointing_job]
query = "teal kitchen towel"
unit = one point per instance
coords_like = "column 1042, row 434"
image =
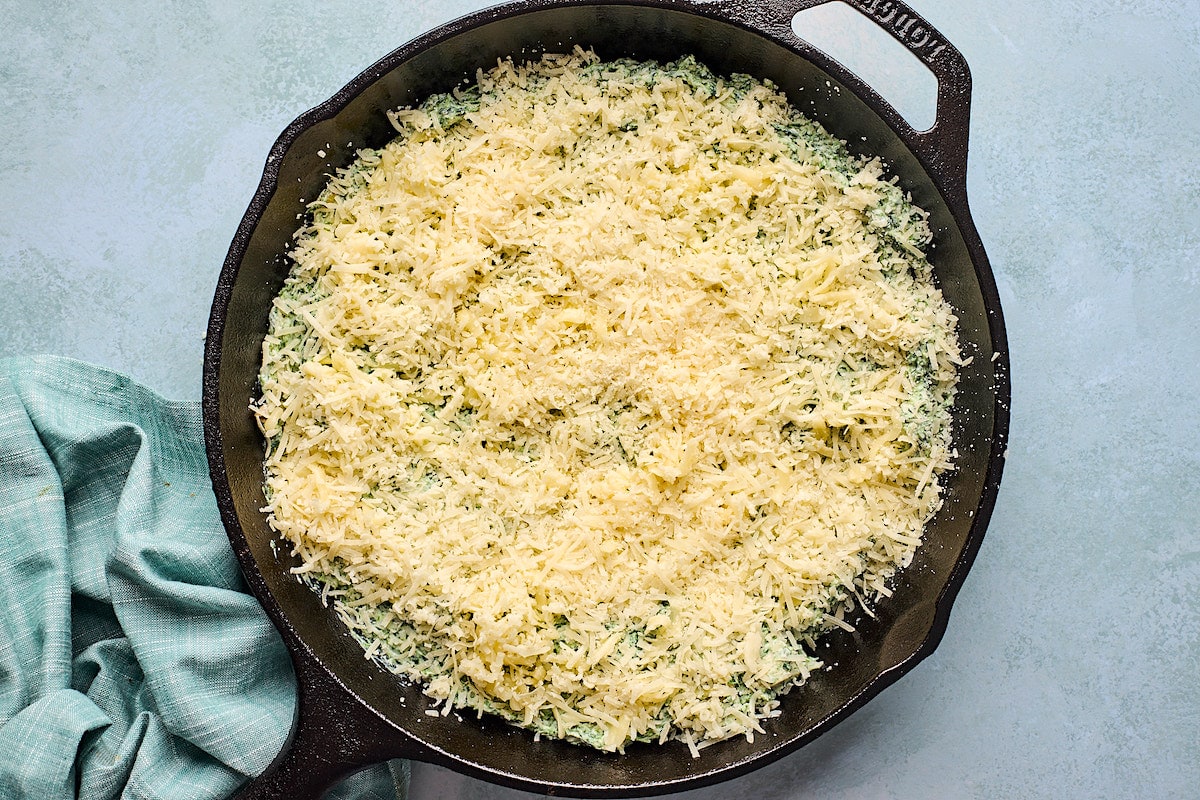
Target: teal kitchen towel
column 133, row 663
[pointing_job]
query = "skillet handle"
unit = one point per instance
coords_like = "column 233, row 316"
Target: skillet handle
column 943, row 146
column 333, row 735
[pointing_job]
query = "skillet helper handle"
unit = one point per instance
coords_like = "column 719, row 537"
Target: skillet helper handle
column 327, row 743
column 943, row 146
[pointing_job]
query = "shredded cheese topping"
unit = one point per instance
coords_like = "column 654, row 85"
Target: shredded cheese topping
column 601, row 391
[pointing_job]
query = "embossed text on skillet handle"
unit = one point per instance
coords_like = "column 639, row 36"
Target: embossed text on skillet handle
column 943, row 146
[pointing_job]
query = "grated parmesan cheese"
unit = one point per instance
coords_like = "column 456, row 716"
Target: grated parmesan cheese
column 601, row 392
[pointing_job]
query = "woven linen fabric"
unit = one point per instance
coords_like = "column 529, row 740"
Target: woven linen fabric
column 133, row 663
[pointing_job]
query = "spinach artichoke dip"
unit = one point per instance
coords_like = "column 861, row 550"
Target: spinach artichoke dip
column 602, row 391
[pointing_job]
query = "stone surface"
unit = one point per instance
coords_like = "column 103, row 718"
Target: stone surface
column 133, row 136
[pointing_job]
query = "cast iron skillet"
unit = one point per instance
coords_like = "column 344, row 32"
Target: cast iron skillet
column 351, row 712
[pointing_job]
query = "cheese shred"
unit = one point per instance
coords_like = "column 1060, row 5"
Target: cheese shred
column 602, row 391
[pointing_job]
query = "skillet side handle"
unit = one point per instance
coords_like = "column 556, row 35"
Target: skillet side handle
column 943, row 146
column 333, row 735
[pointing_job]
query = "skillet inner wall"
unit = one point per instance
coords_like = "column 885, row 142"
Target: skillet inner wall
column 488, row 748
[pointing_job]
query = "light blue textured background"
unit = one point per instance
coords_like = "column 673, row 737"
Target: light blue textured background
column 132, row 137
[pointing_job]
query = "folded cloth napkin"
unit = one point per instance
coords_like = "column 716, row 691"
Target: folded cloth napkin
column 133, row 663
